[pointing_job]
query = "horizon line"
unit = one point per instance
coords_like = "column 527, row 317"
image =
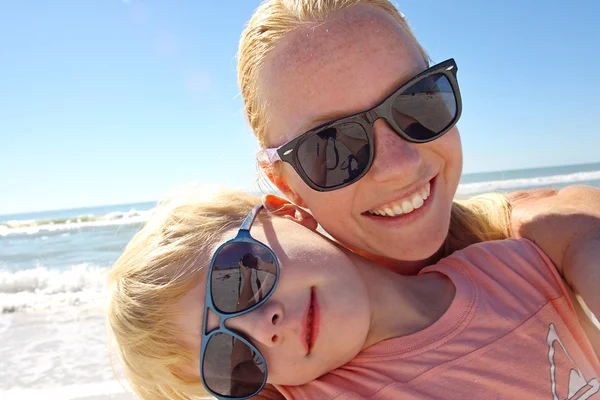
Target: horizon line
column 75, row 208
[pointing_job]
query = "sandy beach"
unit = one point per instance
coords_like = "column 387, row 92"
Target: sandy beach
column 56, row 355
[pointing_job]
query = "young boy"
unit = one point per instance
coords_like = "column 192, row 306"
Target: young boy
column 284, row 309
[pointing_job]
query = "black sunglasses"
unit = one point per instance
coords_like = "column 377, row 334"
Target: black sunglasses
column 243, row 275
column 340, row 152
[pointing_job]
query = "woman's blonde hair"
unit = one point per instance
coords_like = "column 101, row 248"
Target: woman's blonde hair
column 481, row 218
column 478, row 219
column 159, row 266
column 269, row 24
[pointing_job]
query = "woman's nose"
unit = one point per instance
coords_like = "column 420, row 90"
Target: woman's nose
column 263, row 325
column 395, row 158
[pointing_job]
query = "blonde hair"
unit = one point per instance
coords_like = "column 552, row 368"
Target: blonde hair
column 485, row 217
column 269, row 24
column 479, row 219
column 159, row 266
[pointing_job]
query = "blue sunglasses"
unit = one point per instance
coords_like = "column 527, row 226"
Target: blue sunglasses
column 243, row 275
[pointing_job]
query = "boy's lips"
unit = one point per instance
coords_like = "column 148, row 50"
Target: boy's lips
column 311, row 322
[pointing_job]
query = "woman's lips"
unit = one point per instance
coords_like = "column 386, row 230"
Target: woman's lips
column 411, row 215
column 405, row 205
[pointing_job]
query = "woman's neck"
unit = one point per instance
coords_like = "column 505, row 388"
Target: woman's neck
column 402, row 305
column 401, row 266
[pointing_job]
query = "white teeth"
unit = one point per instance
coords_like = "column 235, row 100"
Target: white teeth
column 417, row 201
column 405, row 206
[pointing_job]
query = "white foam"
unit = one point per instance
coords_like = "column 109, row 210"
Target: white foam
column 490, row 186
column 42, row 288
column 30, row 227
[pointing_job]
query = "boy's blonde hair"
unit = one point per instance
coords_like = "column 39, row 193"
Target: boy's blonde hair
column 159, row 266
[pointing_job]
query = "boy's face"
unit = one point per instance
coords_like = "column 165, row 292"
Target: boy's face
column 317, row 319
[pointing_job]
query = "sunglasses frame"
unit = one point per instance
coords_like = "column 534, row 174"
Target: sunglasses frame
column 288, row 152
column 243, row 236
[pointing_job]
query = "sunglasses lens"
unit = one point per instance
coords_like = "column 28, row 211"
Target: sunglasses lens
column 242, row 275
column 232, row 368
column 427, row 108
column 336, row 155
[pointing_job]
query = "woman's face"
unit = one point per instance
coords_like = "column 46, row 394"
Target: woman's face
column 345, row 65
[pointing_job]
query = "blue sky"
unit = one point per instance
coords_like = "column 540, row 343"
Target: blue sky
column 112, row 101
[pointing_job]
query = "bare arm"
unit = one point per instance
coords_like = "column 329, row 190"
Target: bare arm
column 565, row 224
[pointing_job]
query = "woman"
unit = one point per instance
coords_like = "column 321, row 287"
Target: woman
column 320, row 77
column 305, row 63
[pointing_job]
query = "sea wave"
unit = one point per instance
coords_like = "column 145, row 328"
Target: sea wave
column 490, row 186
column 31, row 226
column 41, row 288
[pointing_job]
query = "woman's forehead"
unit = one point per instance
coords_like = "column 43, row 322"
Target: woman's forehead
column 344, row 65
column 326, row 37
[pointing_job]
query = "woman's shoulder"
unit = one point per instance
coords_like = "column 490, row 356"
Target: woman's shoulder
column 505, row 250
column 511, row 263
column 560, row 222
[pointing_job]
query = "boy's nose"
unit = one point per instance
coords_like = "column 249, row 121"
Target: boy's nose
column 395, row 158
column 263, row 325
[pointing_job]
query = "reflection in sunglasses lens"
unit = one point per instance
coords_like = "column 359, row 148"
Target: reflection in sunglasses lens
column 231, row 367
column 335, row 155
column 426, row 108
column 235, row 288
column 249, row 261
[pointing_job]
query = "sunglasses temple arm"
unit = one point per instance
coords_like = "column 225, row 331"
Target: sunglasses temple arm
column 250, row 218
column 272, row 155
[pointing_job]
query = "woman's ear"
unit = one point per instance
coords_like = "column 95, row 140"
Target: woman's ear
column 281, row 207
column 276, row 178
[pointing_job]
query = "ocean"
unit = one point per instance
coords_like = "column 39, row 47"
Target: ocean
column 53, row 267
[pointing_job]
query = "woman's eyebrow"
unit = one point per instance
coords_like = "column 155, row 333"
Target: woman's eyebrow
column 334, row 115
column 324, row 118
